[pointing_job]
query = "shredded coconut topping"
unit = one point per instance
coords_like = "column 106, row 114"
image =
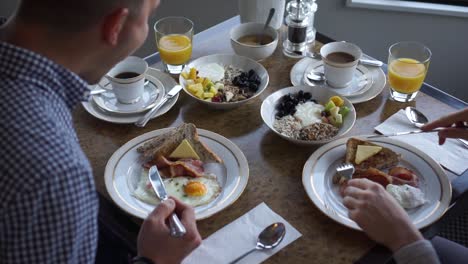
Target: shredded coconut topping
column 288, row 126
column 292, row 127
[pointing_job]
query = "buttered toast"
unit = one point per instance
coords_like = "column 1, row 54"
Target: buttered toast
column 165, row 144
column 385, row 158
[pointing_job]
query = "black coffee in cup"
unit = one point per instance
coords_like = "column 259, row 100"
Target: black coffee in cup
column 340, row 57
column 126, row 75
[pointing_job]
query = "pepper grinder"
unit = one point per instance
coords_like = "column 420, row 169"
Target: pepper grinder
column 297, row 22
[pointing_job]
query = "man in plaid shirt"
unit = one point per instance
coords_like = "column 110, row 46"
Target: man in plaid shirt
column 49, row 52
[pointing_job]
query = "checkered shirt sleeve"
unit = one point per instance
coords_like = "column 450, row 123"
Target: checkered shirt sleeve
column 48, row 202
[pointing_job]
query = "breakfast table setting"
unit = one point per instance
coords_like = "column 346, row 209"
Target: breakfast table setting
column 273, row 182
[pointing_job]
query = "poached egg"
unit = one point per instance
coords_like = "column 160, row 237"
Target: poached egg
column 407, row 196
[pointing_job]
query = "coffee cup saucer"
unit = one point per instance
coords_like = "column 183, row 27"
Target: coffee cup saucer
column 152, row 74
column 361, row 83
column 379, row 78
column 151, row 96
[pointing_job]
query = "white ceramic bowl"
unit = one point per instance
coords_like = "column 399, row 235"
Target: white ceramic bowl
column 321, row 95
column 256, row 52
column 243, row 63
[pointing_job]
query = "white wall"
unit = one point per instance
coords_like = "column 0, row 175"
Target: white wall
column 375, row 31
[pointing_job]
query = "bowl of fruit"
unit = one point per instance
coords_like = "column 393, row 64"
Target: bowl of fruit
column 224, row 81
column 308, row 115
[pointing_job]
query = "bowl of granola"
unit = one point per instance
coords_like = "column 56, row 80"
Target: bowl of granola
column 224, row 81
column 308, row 115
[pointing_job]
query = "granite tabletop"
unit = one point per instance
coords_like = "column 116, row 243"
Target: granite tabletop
column 275, row 164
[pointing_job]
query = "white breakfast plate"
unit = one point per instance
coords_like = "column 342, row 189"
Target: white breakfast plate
column 378, row 76
column 152, row 94
column 124, row 168
column 360, row 84
column 153, row 75
column 320, row 167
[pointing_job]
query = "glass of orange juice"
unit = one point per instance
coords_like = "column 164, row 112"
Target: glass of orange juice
column 407, row 67
column 174, row 41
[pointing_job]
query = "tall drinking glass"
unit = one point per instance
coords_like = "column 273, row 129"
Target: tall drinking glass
column 407, row 67
column 174, row 41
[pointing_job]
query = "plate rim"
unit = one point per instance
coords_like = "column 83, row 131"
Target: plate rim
column 96, row 112
column 109, row 176
column 356, row 99
column 445, row 186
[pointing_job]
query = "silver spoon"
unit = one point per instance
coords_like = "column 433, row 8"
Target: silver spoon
column 269, row 238
column 316, row 76
column 418, row 119
column 267, row 23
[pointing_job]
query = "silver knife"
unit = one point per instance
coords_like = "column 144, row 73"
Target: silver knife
column 410, row 133
column 176, row 227
column 404, row 133
column 143, row 120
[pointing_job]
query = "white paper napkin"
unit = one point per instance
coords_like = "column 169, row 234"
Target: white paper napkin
column 453, row 155
column 239, row 237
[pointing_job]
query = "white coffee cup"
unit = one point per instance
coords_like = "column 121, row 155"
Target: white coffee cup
column 128, row 79
column 339, row 74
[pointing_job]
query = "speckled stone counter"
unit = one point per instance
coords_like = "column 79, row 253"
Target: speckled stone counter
column 275, row 164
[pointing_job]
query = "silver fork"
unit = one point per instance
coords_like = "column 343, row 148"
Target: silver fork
column 345, row 170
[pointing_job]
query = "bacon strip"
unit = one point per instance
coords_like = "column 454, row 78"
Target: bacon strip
column 396, row 175
column 374, row 175
column 402, row 176
column 182, row 167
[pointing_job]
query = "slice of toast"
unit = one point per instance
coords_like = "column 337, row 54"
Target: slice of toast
column 386, row 158
column 166, row 143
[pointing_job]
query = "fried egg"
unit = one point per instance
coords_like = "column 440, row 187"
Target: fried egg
column 192, row 191
column 212, row 71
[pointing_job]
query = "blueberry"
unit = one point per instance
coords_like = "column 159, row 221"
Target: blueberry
column 284, row 98
column 253, row 87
